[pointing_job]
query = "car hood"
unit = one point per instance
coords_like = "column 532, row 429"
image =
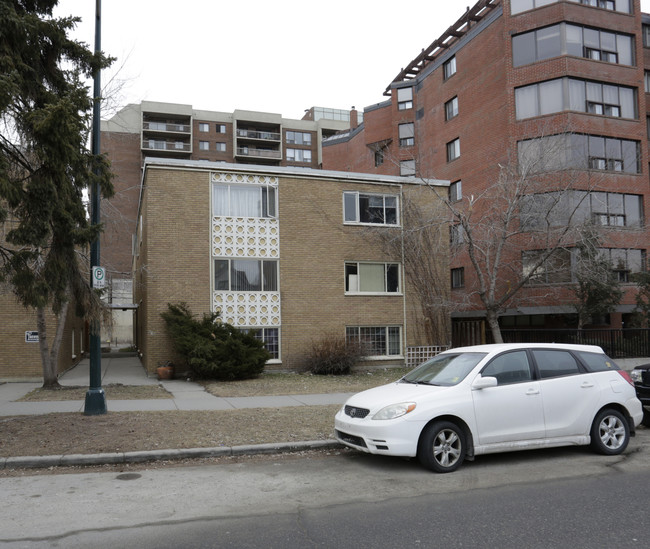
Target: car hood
column 393, row 393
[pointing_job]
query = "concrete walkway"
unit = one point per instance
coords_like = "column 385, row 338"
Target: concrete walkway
column 129, row 371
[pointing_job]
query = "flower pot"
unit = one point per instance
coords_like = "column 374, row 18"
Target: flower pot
column 165, row 372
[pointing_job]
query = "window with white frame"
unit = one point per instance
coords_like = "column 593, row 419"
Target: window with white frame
column 455, row 191
column 243, row 200
column 221, row 128
column 298, row 155
column 449, row 68
column 405, row 98
column 298, row 138
column 453, row 150
column 204, row 127
column 406, row 134
column 245, row 275
column 371, row 278
column 221, row 147
column 646, row 81
column 204, row 145
column 451, row 108
column 271, row 339
column 407, row 167
column 376, row 341
column 381, row 209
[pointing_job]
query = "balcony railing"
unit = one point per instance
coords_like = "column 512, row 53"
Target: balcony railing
column 256, row 134
column 166, row 127
column 259, row 153
column 171, row 146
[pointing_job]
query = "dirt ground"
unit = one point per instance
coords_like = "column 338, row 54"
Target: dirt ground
column 74, row 433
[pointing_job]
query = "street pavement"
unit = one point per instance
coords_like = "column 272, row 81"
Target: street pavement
column 186, row 395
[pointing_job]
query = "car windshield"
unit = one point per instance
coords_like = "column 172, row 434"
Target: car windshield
column 445, row 369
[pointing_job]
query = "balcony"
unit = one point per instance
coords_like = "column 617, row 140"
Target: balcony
column 258, row 134
column 166, row 146
column 259, row 153
column 168, row 127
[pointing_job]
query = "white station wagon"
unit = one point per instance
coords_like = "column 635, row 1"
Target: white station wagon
column 495, row 398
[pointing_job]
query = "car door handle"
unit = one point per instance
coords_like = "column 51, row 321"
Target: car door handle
column 587, row 385
column 532, row 391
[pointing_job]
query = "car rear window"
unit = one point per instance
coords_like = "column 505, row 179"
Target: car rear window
column 597, row 362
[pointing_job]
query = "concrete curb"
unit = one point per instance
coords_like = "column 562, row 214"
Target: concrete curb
column 35, row 462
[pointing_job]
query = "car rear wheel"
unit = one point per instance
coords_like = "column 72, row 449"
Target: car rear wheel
column 442, row 447
column 610, row 433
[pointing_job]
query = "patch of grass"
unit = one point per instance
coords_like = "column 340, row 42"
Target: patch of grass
column 304, row 383
column 114, row 391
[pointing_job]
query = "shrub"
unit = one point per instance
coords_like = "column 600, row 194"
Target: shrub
column 213, row 349
column 332, row 355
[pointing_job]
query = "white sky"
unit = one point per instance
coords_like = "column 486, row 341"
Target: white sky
column 282, row 57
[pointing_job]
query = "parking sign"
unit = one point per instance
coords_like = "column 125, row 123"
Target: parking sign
column 99, row 277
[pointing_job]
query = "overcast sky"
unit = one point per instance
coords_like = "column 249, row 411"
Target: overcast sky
column 282, row 57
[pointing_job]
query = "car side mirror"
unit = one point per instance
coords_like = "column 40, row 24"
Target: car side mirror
column 484, row 382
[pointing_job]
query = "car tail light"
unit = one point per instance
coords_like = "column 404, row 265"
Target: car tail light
column 626, row 377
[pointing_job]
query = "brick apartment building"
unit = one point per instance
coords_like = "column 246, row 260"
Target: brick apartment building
column 293, row 253
column 510, row 77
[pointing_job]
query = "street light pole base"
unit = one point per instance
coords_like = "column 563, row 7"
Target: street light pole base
column 95, row 402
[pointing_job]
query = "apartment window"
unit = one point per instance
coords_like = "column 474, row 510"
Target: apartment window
column 373, row 278
column 518, row 6
column 245, row 275
column 406, row 134
column 204, row 127
column 451, row 108
column 271, row 339
column 379, row 157
column 298, row 155
column 456, row 235
column 578, row 151
column 540, row 211
column 555, row 269
column 646, row 81
column 370, row 208
column 376, row 341
column 453, row 150
column 221, row 128
column 455, row 191
column 204, row 145
column 449, row 67
column 458, row 277
column 404, row 98
column 298, row 138
column 407, row 167
column 243, row 201
column 646, row 36
column 567, row 39
column 564, row 94
column 221, row 147
column 624, row 262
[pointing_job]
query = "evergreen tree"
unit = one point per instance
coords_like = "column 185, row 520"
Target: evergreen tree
column 45, row 166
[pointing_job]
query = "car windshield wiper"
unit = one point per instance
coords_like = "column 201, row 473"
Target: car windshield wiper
column 418, row 382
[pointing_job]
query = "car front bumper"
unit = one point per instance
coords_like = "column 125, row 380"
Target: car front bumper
column 392, row 437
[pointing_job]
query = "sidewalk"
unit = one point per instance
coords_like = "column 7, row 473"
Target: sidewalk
column 186, row 396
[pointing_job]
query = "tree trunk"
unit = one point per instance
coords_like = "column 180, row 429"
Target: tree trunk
column 49, row 357
column 493, row 323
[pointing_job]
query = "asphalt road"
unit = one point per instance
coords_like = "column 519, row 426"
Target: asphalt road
column 553, row 498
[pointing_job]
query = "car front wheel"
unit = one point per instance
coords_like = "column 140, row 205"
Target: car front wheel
column 442, row 447
column 610, row 433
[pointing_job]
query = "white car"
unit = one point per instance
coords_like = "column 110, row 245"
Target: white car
column 495, row 398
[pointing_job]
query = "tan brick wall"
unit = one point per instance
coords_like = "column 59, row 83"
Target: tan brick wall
column 22, row 361
column 174, row 263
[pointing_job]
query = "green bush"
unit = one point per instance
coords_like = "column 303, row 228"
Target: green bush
column 332, row 355
column 213, row 349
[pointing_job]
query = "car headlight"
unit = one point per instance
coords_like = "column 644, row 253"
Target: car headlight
column 395, row 410
column 636, row 376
